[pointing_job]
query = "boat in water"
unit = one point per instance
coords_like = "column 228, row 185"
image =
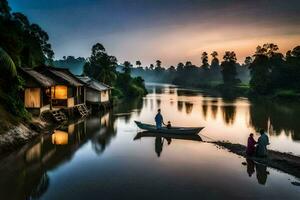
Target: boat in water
column 173, row 130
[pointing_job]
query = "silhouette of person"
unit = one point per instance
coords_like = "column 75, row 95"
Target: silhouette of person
column 250, row 167
column 261, row 173
column 158, row 146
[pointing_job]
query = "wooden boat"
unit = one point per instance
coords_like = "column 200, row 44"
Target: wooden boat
column 167, row 136
column 172, row 130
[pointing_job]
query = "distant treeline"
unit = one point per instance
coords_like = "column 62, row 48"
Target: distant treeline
column 74, row 64
column 267, row 70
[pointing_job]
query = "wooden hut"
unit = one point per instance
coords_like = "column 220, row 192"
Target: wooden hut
column 68, row 90
column 97, row 93
column 37, row 93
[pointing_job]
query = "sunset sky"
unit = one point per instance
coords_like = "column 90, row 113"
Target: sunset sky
column 170, row 30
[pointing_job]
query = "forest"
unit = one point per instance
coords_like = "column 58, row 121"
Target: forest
column 266, row 72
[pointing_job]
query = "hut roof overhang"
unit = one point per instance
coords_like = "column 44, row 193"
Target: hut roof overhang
column 39, row 78
column 61, row 76
column 94, row 84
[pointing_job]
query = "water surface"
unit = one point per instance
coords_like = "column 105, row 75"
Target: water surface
column 100, row 158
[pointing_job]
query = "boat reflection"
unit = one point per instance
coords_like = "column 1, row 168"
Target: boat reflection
column 160, row 138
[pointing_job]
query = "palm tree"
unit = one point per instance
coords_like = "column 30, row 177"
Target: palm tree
column 138, row 63
column 7, row 68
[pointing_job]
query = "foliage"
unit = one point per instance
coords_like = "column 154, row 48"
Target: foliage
column 74, row 64
column 10, row 86
column 26, row 43
column 102, row 67
column 228, row 68
column 127, row 67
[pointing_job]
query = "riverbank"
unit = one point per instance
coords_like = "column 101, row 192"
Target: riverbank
column 16, row 132
column 282, row 161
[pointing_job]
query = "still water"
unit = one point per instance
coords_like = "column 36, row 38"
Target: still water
column 101, row 157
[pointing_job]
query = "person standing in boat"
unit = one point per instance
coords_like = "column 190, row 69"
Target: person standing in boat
column 159, row 119
column 262, row 142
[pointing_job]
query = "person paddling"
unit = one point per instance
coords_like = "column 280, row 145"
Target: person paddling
column 159, row 119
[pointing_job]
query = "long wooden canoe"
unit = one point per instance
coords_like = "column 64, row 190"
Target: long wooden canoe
column 172, row 130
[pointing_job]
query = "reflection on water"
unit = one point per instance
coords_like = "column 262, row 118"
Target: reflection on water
column 29, row 178
column 229, row 118
column 261, row 171
column 97, row 157
column 161, row 139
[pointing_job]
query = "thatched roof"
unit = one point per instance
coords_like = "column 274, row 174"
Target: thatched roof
column 93, row 84
column 37, row 77
column 61, row 76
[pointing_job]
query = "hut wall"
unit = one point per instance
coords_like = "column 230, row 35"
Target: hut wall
column 104, row 96
column 32, row 97
column 92, row 96
column 71, row 102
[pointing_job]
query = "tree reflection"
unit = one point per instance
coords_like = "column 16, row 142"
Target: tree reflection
column 179, row 106
column 188, row 107
column 228, row 113
column 276, row 117
column 204, row 108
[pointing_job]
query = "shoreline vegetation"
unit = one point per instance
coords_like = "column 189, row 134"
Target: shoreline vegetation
column 285, row 162
column 25, row 44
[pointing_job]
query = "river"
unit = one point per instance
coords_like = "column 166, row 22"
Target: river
column 101, row 157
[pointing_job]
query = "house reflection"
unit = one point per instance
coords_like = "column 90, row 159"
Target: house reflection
column 50, row 151
column 60, row 137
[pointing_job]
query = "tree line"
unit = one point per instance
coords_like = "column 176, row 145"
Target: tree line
column 267, row 70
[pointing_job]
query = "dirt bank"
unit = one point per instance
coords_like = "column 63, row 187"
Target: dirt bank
column 282, row 161
column 15, row 132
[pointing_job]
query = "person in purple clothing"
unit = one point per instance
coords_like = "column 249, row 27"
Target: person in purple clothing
column 250, row 151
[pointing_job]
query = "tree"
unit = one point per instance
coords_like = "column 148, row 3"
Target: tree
column 248, row 61
column 138, row 63
column 8, row 69
column 158, row 63
column 260, row 70
column 180, row 67
column 228, row 68
column 151, row 67
column 215, row 64
column 100, row 65
column 127, row 67
column 4, row 8
column 171, row 69
column 204, row 58
column 26, row 43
